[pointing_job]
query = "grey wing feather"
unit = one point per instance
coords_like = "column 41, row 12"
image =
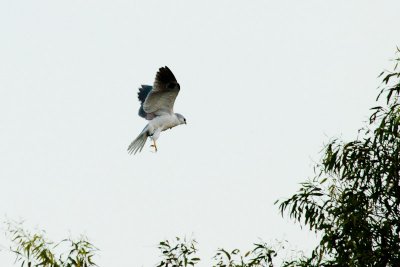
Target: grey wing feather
column 161, row 98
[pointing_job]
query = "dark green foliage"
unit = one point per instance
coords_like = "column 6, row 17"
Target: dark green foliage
column 260, row 256
column 354, row 200
column 180, row 253
column 34, row 250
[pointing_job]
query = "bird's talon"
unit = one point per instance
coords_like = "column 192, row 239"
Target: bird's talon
column 155, row 147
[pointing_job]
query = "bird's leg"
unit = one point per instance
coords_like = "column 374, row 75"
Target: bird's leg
column 154, row 137
column 154, row 145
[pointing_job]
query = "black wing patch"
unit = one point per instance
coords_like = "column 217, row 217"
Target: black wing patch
column 165, row 76
column 142, row 94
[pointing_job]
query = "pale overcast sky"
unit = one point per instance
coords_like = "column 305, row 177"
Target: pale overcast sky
column 264, row 84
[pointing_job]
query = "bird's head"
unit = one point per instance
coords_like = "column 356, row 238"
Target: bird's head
column 181, row 119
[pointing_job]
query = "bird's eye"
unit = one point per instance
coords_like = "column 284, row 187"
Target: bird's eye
column 171, row 86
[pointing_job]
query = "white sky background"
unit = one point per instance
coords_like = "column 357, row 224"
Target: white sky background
column 264, row 86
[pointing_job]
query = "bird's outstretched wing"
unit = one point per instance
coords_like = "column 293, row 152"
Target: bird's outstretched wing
column 161, row 98
column 142, row 94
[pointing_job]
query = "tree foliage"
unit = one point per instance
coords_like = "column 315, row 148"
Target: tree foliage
column 180, row 253
column 34, row 249
column 261, row 255
column 354, row 199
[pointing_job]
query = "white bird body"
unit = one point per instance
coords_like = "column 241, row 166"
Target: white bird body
column 157, row 103
column 163, row 123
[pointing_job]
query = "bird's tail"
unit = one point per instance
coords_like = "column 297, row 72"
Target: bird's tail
column 138, row 144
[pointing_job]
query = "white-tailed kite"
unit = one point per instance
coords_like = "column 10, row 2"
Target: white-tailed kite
column 157, row 106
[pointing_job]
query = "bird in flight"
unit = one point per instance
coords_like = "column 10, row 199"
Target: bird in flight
column 157, row 106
